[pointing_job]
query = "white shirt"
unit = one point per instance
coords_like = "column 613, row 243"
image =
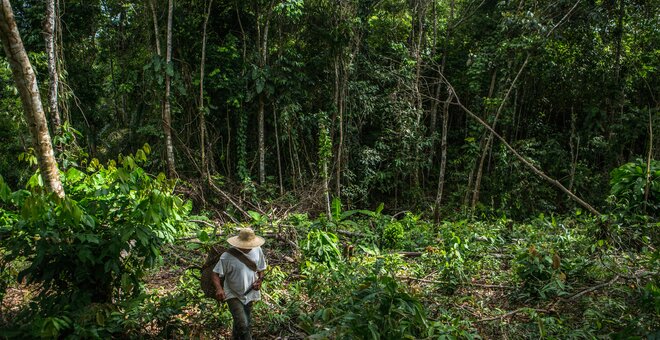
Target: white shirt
column 238, row 277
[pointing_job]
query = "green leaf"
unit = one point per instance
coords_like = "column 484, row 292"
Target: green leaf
column 5, row 192
column 203, row 236
column 254, row 215
column 74, row 175
column 336, row 209
column 260, row 83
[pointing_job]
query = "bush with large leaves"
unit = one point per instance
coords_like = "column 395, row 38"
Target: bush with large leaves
column 94, row 245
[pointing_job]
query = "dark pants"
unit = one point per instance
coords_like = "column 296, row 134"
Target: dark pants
column 242, row 320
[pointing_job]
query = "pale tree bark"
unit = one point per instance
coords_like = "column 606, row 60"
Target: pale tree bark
column 202, row 112
column 445, row 115
column 49, row 36
column 262, row 45
column 647, row 187
column 26, row 83
column 167, row 115
column 156, row 31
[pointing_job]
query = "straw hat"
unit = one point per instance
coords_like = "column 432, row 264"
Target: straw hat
column 246, row 239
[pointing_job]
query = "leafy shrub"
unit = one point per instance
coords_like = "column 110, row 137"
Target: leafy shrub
column 450, row 261
column 629, row 184
column 323, row 247
column 541, row 273
column 95, row 244
column 378, row 309
column 392, row 234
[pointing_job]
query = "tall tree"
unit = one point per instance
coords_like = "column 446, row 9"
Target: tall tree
column 49, row 36
column 167, row 115
column 263, row 26
column 26, row 82
column 202, row 110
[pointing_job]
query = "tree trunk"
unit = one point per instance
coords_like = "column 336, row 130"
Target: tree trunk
column 262, row 44
column 26, row 83
column 443, row 158
column 647, row 187
column 445, row 116
column 279, row 156
column 49, row 29
column 262, row 143
column 156, row 31
column 202, row 113
column 167, row 115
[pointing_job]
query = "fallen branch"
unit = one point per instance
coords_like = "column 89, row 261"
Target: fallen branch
column 204, row 222
column 589, row 290
column 473, row 284
column 410, row 253
column 514, row 312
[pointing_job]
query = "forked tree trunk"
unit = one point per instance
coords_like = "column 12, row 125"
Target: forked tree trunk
column 167, row 115
column 49, row 36
column 489, row 138
column 26, row 83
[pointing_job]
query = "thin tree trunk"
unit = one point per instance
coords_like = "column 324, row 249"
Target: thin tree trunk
column 489, row 139
column 445, row 118
column 443, row 158
column 647, row 187
column 202, row 112
column 26, row 83
column 340, row 143
column 262, row 143
column 49, row 29
column 575, row 149
column 277, row 147
column 156, row 30
column 167, row 115
column 291, row 159
column 262, row 39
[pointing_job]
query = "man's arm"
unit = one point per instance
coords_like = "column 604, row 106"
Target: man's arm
column 218, row 282
column 260, row 278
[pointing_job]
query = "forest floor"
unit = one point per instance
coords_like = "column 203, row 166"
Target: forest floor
column 490, row 283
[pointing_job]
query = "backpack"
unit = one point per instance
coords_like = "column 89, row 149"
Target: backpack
column 206, row 280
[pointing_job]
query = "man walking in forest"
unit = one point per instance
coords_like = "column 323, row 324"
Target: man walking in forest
column 238, row 277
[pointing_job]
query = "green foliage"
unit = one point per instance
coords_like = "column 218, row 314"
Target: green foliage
column 541, row 273
column 380, row 308
column 392, row 234
column 322, row 247
column 96, row 244
column 628, row 187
